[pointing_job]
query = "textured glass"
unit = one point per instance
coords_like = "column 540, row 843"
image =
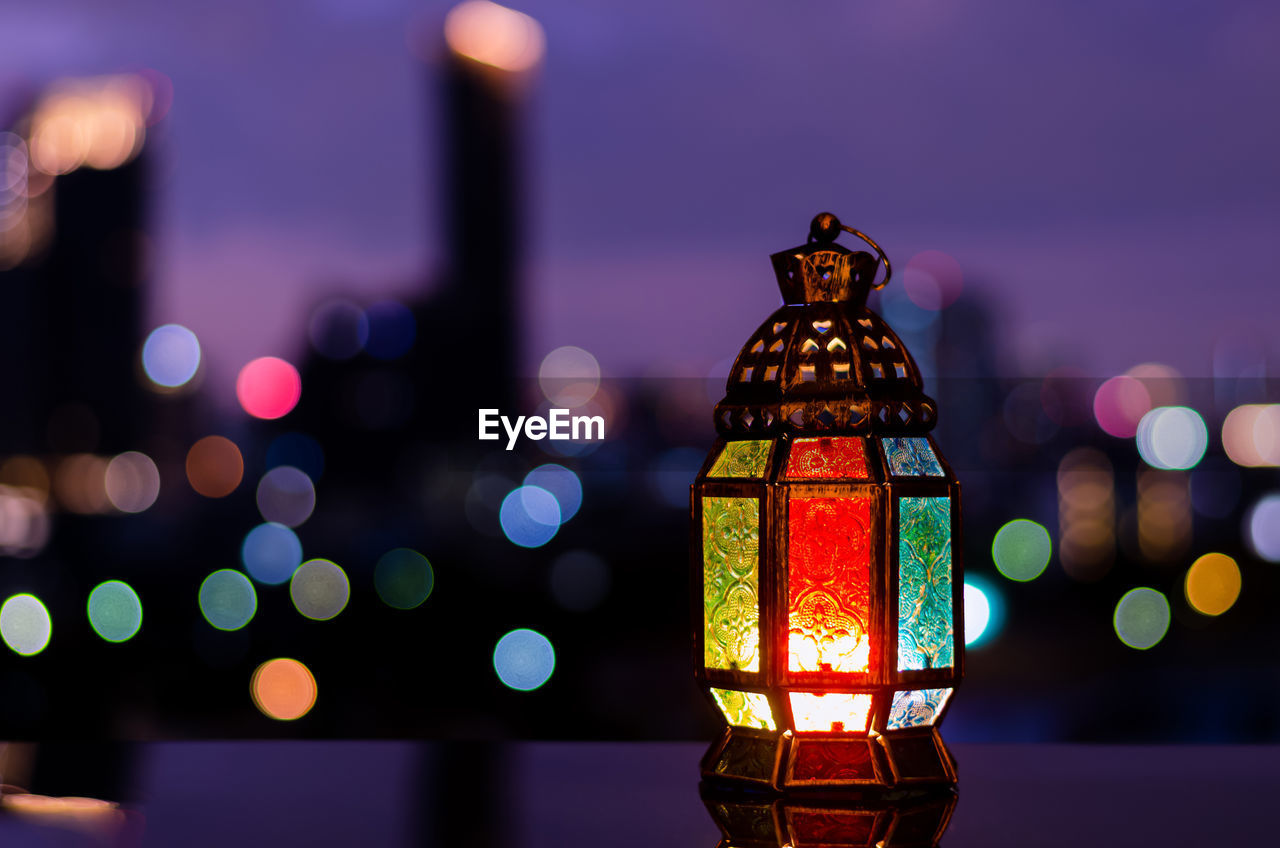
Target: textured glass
column 828, row 584
column 910, row 456
column 925, row 638
column 828, row 459
column 742, row 459
column 917, row 707
column 834, row 712
column 744, row 709
column 730, row 583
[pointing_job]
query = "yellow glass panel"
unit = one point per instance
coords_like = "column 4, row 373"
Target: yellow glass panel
column 833, row 712
column 742, row 459
column 744, row 709
column 730, row 583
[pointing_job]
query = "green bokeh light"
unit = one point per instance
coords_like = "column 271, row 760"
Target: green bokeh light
column 115, row 611
column 319, row 589
column 403, row 578
column 227, row 599
column 1021, row 550
column 1142, row 618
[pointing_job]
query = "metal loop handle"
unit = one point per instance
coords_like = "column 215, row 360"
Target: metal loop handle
column 888, row 269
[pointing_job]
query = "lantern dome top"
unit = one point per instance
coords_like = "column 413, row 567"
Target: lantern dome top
column 824, row 362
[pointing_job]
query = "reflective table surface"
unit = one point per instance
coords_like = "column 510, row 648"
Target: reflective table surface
column 619, row 794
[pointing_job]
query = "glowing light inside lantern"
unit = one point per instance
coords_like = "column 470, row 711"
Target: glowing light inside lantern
column 833, row 712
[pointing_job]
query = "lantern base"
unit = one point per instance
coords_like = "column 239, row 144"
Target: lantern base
column 902, row 763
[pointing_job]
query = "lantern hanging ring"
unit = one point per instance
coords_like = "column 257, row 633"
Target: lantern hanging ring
column 826, row 227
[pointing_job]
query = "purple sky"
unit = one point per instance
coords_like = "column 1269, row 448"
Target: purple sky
column 1106, row 172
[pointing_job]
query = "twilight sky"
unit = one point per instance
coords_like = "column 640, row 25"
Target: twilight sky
column 1105, row 173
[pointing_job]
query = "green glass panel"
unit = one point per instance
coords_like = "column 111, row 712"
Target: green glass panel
column 730, row 583
column 925, row 638
column 744, row 709
column 742, row 459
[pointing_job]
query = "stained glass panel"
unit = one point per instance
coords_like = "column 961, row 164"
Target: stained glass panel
column 916, row 707
column 828, row 584
column 828, row 459
column 730, row 583
column 925, row 638
column 744, row 709
column 832, row 712
column 742, row 459
column 910, row 456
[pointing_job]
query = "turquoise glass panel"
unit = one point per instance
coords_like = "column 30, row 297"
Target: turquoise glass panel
column 925, row 633
column 910, row 456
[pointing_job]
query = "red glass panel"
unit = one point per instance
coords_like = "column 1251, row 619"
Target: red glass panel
column 828, row 459
column 831, row 759
column 829, row 564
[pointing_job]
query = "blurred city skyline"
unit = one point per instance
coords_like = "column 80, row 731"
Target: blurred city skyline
column 1106, row 181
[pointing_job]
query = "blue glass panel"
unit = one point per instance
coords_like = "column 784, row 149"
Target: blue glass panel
column 916, row 707
column 910, row 456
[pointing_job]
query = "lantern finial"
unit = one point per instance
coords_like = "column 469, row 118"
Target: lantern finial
column 823, row 271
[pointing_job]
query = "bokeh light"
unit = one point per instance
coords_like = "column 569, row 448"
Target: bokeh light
column 1086, row 514
column 494, row 35
column 24, row 521
column 132, row 482
column 933, row 280
column 338, row 329
column 227, row 599
column 1142, row 618
column 271, row 553
column 171, row 356
column 1212, row 584
column 1262, row 527
column 1119, row 405
column 299, row 450
column 1172, row 438
column 286, row 496
column 524, row 659
column 268, row 387
column 579, row 580
column 115, row 611
column 392, row 330
column 569, row 376
column 562, row 483
column 1251, row 435
column 1021, row 549
column 319, row 589
column 283, row 689
column 529, row 516
column 403, row 578
column 983, row 612
column 214, row 466
column 25, row 624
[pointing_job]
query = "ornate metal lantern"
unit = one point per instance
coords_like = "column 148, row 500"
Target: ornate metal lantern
column 826, row 545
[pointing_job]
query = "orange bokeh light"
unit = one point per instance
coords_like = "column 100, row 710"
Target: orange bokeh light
column 283, row 689
column 214, row 466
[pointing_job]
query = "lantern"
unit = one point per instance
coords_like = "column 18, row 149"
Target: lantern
column 826, row 545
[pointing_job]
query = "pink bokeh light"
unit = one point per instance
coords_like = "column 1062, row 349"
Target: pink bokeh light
column 268, row 387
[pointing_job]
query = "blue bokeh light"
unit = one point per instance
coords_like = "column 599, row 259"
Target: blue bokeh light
column 560, row 482
column 530, row 516
column 392, row 330
column 171, row 355
column 524, row 659
column 271, row 553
